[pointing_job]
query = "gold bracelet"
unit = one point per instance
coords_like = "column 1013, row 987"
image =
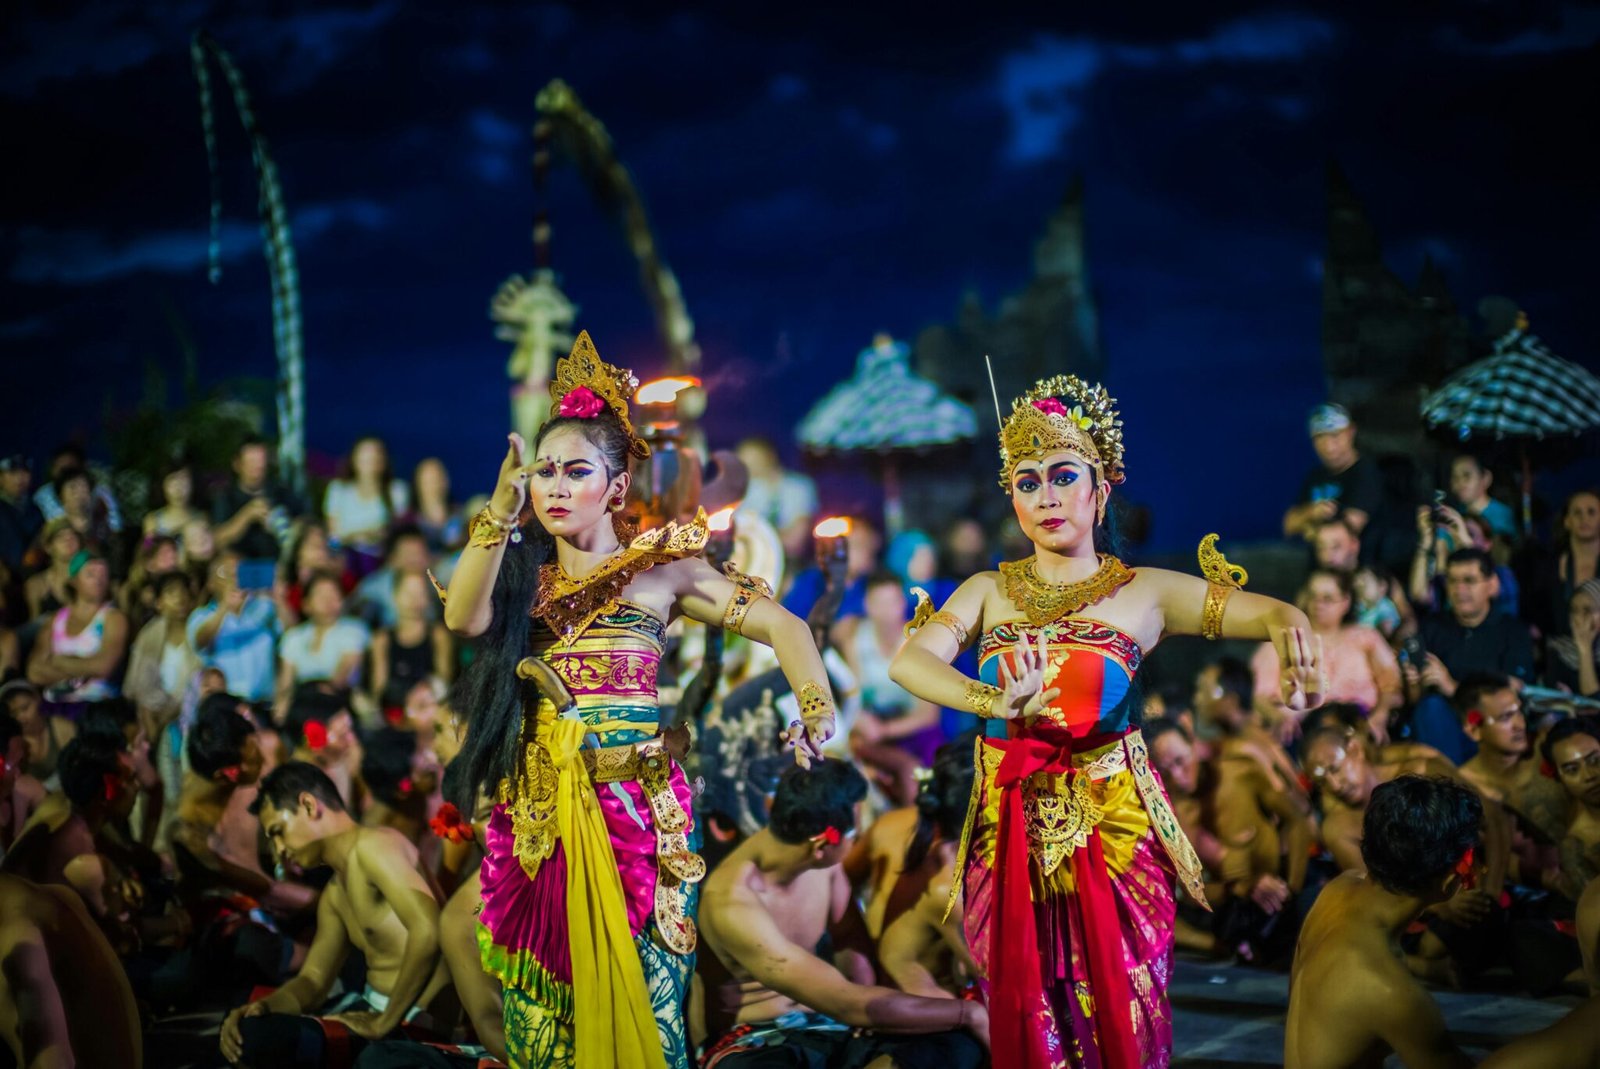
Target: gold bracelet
column 953, row 622
column 488, row 530
column 814, row 701
column 748, row 589
column 981, row 698
column 1217, row 596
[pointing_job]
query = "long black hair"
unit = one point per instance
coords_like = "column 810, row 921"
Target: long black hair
column 942, row 800
column 488, row 694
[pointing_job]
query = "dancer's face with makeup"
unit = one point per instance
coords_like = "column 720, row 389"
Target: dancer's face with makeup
column 1055, row 499
column 570, row 487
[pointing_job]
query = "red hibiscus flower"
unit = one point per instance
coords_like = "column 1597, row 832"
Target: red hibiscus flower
column 1050, row 406
column 1465, row 868
column 316, row 733
column 582, row 403
column 448, row 825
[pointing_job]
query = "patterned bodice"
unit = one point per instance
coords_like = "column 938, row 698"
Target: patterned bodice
column 1089, row 661
column 611, row 671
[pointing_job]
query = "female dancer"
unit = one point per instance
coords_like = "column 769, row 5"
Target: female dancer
column 1070, row 843
column 588, row 877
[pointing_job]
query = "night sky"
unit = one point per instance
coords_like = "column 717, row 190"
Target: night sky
column 812, row 179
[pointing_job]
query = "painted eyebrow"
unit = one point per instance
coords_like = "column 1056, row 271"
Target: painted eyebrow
column 1070, row 465
column 567, row 463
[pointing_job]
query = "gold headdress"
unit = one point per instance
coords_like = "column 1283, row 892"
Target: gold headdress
column 583, row 383
column 1063, row 414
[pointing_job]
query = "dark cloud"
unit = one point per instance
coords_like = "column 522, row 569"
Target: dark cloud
column 810, row 183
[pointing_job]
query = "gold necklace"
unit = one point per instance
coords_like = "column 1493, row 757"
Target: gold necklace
column 1043, row 602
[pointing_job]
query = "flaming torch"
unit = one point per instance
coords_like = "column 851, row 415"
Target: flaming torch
column 667, row 486
column 833, row 558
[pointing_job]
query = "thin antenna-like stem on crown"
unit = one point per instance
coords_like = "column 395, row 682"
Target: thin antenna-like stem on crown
column 993, row 392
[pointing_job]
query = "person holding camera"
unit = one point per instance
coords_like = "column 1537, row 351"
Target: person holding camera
column 1468, row 637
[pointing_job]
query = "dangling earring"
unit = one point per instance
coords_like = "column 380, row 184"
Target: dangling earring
column 616, row 504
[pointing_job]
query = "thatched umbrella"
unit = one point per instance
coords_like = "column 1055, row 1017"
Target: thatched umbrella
column 886, row 411
column 1521, row 392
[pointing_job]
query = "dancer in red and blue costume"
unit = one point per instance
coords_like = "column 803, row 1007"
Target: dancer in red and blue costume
column 1070, row 850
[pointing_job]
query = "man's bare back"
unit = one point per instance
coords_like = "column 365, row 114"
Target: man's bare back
column 56, row 967
column 1351, row 998
column 801, row 910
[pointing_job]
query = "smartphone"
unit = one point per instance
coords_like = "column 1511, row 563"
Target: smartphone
column 257, row 574
column 1438, row 506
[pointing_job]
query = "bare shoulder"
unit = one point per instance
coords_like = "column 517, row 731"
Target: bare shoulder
column 385, row 846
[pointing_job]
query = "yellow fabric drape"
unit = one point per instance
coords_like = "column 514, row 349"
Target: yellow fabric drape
column 613, row 1022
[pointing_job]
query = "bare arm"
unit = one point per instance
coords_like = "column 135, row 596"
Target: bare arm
column 703, row 594
column 392, row 871
column 478, row 991
column 380, row 665
column 444, row 653
column 1341, row 834
column 923, row 664
column 1410, row 1022
column 113, row 644
column 745, row 933
column 469, row 609
column 1296, row 831
column 311, row 984
column 42, row 1034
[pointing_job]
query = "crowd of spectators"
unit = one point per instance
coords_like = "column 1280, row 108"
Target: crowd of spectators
column 197, row 701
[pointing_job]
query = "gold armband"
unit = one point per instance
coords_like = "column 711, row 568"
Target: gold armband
column 1223, row 577
column 1217, row 597
column 488, row 530
column 814, row 702
column 981, row 698
column 748, row 589
column 924, row 615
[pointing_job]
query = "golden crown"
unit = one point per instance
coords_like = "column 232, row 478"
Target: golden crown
column 1063, row 414
column 584, row 370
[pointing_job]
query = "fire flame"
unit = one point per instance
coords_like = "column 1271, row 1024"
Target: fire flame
column 722, row 519
column 663, row 391
column 832, row 527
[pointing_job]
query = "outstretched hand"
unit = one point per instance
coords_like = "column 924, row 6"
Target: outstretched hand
column 511, row 488
column 1302, row 671
column 808, row 737
column 1022, row 692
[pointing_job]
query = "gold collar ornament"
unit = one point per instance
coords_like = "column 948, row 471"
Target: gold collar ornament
column 581, row 379
column 1063, row 414
column 1044, row 602
column 568, row 606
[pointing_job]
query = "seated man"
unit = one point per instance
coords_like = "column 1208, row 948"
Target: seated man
column 1351, row 998
column 1470, row 637
column 215, row 842
column 1236, row 803
column 64, row 998
column 377, row 902
column 1506, row 771
column 1572, row 750
column 20, row 793
column 1224, row 697
column 763, row 911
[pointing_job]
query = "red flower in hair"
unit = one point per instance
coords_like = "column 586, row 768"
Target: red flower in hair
column 1050, row 406
column 316, row 733
column 582, row 403
column 394, row 714
column 1466, row 869
column 448, row 825
column 830, row 835
column 113, row 785
column 1546, row 769
column 405, row 786
column 231, row 773
column 1474, row 718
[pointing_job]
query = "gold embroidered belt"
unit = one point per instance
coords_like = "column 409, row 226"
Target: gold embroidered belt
column 1059, row 808
column 531, row 805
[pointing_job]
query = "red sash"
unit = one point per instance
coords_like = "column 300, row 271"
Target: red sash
column 1016, row 993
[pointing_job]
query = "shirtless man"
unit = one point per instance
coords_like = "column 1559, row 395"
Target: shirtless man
column 1351, row 997
column 764, row 909
column 1232, row 801
column 1572, row 750
column 1506, row 770
column 923, row 949
column 1224, row 693
column 377, row 902
column 64, row 998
